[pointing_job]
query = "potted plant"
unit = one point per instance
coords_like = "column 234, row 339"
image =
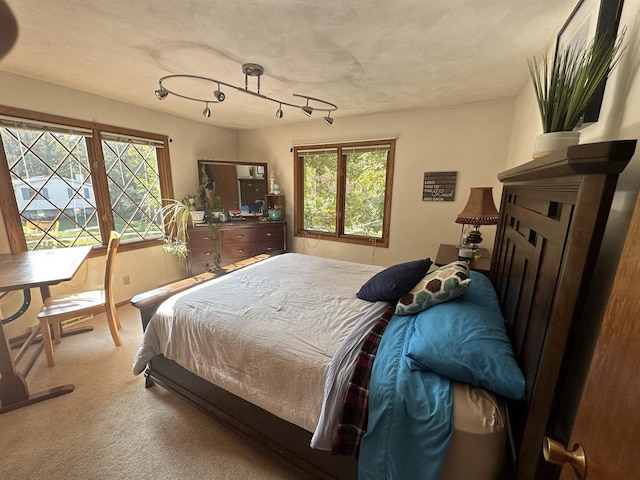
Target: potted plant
column 176, row 215
column 565, row 86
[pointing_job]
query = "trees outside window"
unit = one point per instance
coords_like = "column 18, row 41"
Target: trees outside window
column 66, row 182
column 343, row 191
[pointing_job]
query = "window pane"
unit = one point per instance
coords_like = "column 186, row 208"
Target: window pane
column 44, row 167
column 134, row 189
column 365, row 191
column 320, row 191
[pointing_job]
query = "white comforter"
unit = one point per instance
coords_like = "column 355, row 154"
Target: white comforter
column 266, row 333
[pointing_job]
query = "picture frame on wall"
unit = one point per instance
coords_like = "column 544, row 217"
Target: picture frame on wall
column 591, row 18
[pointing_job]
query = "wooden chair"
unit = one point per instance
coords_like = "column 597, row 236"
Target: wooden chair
column 42, row 231
column 57, row 309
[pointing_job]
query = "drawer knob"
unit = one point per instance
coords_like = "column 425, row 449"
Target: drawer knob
column 240, row 235
column 268, row 234
column 207, row 238
column 240, row 250
column 207, row 253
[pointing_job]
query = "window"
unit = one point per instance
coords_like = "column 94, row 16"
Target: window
column 73, row 182
column 343, row 191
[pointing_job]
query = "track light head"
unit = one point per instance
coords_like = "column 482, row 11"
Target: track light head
column 279, row 112
column 161, row 93
column 220, row 96
column 307, row 110
column 328, row 120
column 207, row 111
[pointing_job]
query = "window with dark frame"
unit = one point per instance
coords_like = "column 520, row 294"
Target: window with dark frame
column 66, row 182
column 343, row 191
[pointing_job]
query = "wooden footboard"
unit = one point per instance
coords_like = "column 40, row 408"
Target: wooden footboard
column 289, row 442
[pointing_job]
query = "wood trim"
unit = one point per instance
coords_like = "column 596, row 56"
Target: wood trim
column 9, row 206
column 298, row 207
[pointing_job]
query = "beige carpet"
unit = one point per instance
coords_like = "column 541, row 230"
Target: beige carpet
column 111, row 427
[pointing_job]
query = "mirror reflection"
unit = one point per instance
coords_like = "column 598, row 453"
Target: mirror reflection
column 237, row 187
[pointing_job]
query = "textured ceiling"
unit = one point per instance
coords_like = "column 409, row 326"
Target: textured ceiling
column 364, row 56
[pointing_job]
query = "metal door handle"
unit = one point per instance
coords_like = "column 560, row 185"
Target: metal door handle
column 554, row 452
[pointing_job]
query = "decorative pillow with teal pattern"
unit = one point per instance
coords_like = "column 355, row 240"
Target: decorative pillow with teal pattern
column 441, row 285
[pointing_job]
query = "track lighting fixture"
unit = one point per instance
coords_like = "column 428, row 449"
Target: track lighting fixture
column 161, row 93
column 307, row 110
column 220, row 96
column 249, row 70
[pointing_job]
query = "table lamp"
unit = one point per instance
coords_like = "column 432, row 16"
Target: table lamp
column 479, row 210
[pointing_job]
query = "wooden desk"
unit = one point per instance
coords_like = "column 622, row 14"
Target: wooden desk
column 449, row 253
column 22, row 271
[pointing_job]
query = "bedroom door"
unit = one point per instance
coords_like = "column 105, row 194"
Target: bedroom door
column 608, row 421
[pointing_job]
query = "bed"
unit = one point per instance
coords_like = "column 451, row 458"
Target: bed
column 553, row 214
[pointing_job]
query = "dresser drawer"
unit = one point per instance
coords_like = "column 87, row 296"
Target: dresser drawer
column 271, row 234
column 270, row 247
column 201, row 235
column 238, row 250
column 202, row 254
column 236, row 235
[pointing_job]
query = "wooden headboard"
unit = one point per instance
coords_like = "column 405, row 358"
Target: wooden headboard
column 552, row 219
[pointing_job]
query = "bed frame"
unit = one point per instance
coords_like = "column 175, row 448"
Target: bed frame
column 552, row 219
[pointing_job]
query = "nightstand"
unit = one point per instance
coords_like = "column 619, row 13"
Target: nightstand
column 449, row 253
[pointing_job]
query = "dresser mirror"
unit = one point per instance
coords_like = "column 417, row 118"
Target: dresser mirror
column 239, row 185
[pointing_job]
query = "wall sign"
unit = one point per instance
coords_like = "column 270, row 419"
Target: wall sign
column 439, row 186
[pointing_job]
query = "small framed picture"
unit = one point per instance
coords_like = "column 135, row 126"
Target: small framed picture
column 260, row 169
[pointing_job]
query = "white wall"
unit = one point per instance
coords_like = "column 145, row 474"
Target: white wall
column 150, row 267
column 471, row 139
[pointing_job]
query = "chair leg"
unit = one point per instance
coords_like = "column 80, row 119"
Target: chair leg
column 57, row 332
column 114, row 321
column 46, row 340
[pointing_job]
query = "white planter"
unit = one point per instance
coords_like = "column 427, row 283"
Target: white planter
column 197, row 216
column 548, row 142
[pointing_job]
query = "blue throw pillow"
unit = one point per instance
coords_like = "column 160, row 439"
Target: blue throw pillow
column 467, row 342
column 392, row 283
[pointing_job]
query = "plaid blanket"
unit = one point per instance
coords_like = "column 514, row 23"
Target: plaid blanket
column 353, row 421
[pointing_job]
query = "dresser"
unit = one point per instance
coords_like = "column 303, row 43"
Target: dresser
column 232, row 242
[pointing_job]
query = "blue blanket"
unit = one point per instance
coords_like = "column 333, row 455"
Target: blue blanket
column 410, row 422
column 410, row 414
